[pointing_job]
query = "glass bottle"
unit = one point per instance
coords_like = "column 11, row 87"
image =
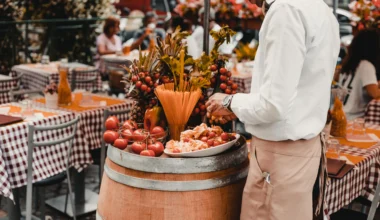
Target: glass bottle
column 64, row 91
column 339, row 120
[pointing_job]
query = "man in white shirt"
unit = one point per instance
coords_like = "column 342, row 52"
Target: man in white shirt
column 286, row 109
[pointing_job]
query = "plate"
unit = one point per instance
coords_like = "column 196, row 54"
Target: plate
column 205, row 152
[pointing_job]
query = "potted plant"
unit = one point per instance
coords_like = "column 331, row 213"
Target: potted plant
column 51, row 95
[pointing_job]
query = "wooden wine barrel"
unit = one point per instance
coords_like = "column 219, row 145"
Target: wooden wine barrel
column 139, row 188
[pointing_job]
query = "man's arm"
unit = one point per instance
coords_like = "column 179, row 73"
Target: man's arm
column 284, row 57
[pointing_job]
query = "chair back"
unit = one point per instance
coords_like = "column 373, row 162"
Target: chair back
column 7, row 85
column 87, row 78
column 32, row 143
column 375, row 202
column 108, row 113
column 18, row 95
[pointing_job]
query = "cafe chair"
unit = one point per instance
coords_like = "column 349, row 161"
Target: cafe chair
column 59, row 178
column 99, row 155
column 87, row 78
column 348, row 214
column 19, row 95
column 6, row 86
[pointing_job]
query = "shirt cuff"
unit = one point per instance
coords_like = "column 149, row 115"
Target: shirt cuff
column 243, row 106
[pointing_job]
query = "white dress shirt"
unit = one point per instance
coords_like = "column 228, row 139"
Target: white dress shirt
column 294, row 67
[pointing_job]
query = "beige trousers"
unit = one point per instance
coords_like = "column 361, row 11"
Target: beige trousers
column 287, row 193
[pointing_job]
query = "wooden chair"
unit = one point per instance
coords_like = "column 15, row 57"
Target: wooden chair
column 348, row 214
column 88, row 76
column 54, row 179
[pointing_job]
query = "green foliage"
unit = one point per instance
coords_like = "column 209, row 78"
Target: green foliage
column 221, row 36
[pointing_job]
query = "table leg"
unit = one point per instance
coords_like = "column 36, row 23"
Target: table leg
column 14, row 212
column 79, row 187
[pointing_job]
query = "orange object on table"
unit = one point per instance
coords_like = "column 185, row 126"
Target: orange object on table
column 354, row 159
column 64, row 91
column 339, row 120
column 75, row 105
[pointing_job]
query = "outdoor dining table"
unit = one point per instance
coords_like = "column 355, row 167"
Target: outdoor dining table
column 91, row 124
column 47, row 161
column 37, row 76
column 363, row 179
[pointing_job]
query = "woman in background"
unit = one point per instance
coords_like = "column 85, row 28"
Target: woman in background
column 360, row 70
column 108, row 42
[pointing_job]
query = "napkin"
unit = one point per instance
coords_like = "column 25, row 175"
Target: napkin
column 4, row 110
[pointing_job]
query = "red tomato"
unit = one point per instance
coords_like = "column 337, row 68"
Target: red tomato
column 223, row 86
column 210, row 143
column 141, row 74
column 139, row 135
column 211, row 134
column 148, row 79
column 202, row 107
column 112, row 123
column 138, row 84
column 110, row 136
column 130, row 124
column 121, row 143
column 234, row 86
column 137, row 147
column 213, row 67
column 223, row 78
column 157, row 75
column 157, row 148
column 134, row 79
column 177, row 150
column 127, row 134
column 186, row 140
column 222, row 71
column 147, row 153
column 224, row 136
column 144, row 87
column 229, row 74
column 157, row 132
column 228, row 91
column 229, row 82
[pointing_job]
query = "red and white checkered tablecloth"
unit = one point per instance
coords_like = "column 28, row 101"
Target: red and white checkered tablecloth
column 243, row 82
column 6, row 86
column 37, row 76
column 372, row 113
column 360, row 181
column 48, row 161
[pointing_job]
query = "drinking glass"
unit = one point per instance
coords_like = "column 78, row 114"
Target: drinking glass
column 27, row 108
column 45, row 59
column 333, row 148
column 358, row 128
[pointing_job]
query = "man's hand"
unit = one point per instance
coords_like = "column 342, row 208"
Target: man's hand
column 215, row 107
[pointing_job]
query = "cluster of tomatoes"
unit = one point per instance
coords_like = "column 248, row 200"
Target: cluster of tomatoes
column 200, row 108
column 226, row 83
column 145, row 143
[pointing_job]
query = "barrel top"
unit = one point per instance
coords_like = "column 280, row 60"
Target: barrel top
column 228, row 159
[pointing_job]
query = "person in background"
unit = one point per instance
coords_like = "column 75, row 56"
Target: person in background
column 360, row 70
column 185, row 25
column 142, row 37
column 108, row 42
